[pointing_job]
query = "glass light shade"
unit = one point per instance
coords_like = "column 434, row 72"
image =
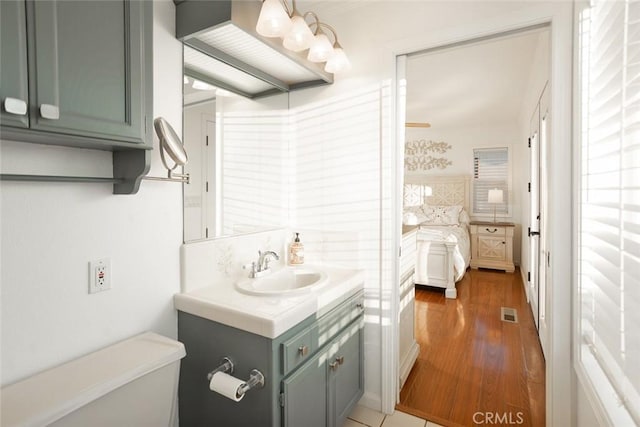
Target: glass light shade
column 299, row 36
column 338, row 61
column 320, row 49
column 273, row 20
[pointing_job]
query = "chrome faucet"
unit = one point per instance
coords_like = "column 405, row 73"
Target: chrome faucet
column 261, row 268
column 264, row 258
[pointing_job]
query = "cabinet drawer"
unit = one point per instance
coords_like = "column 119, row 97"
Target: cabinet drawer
column 332, row 323
column 298, row 349
column 491, row 230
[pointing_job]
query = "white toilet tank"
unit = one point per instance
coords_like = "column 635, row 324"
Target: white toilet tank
column 132, row 383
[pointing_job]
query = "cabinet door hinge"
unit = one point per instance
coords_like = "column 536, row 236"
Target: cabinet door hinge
column 207, row 187
column 529, row 187
column 281, row 399
column 206, row 232
column 528, row 276
column 529, row 143
column 207, row 140
column 400, row 252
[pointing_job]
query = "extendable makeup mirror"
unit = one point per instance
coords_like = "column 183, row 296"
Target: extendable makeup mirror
column 170, row 144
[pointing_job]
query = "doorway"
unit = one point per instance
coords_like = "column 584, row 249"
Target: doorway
column 464, row 99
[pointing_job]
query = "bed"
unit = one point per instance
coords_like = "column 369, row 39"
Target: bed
column 443, row 250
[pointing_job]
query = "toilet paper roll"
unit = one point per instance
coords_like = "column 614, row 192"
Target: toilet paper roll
column 227, row 386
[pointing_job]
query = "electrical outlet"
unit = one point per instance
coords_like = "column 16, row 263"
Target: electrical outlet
column 99, row 275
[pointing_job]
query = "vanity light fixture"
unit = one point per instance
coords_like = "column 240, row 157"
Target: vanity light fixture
column 297, row 35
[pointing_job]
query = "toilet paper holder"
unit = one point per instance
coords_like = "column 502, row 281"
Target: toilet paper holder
column 256, row 378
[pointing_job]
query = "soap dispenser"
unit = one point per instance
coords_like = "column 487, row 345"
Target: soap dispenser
column 296, row 251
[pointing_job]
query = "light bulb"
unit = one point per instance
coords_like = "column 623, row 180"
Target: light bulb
column 273, row 20
column 321, row 49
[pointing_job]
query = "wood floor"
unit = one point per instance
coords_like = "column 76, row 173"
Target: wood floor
column 473, row 368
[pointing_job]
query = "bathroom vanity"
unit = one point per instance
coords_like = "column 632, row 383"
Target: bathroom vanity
column 308, row 346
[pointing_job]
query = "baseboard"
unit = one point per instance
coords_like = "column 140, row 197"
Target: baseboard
column 408, row 362
column 371, row 401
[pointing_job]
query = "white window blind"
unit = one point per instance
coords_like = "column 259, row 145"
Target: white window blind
column 490, row 170
column 609, row 223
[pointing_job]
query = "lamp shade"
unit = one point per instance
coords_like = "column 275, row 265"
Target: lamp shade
column 299, row 36
column 273, row 20
column 321, row 48
column 495, row 196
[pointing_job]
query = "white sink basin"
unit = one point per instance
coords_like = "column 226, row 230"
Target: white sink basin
column 286, row 281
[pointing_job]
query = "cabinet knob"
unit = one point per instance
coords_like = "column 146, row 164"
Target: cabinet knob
column 340, row 360
column 333, row 365
column 303, row 350
column 15, row 106
column 49, row 111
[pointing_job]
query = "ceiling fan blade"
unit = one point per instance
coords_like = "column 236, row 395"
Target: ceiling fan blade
column 417, row 125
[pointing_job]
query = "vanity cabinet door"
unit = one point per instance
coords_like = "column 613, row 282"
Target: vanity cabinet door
column 346, row 374
column 305, row 394
column 13, row 57
column 87, row 63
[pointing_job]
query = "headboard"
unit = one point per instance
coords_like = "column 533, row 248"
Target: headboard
column 447, row 190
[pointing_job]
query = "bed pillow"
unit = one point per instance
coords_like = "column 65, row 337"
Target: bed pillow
column 413, row 215
column 442, row 215
column 464, row 218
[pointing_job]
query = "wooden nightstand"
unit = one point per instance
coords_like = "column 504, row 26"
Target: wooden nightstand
column 492, row 245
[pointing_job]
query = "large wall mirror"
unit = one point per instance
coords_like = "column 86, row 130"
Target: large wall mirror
column 238, row 150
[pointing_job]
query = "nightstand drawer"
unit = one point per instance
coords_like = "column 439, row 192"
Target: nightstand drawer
column 491, row 230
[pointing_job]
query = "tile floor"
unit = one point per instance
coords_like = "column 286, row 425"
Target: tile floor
column 362, row 416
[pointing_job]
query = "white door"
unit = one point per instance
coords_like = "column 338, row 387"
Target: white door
column 534, row 214
column 543, row 224
column 538, row 227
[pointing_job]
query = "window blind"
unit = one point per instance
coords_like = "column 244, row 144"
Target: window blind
column 609, row 222
column 490, row 170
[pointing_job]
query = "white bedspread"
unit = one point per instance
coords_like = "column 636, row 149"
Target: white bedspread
column 458, row 234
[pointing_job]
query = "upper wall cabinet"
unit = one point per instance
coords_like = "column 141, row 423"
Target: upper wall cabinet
column 80, row 74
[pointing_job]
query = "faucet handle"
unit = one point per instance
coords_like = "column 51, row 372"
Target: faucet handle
column 252, row 267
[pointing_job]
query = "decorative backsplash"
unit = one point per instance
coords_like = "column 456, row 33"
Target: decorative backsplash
column 420, row 155
column 208, row 262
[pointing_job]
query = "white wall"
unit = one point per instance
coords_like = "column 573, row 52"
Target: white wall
column 51, row 230
column 463, row 141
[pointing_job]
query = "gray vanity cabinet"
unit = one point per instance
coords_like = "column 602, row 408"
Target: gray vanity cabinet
column 79, row 74
column 304, row 394
column 324, row 390
column 314, row 373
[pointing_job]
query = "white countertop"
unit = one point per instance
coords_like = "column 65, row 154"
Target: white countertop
column 269, row 316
